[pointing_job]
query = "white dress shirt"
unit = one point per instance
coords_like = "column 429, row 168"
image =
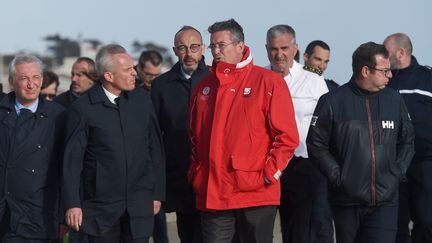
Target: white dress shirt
column 306, row 88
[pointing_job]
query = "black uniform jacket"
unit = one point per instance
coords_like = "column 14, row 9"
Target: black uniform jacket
column 415, row 85
column 363, row 142
column 170, row 94
column 116, row 154
column 30, row 166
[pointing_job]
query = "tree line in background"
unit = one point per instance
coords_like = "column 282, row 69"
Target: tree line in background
column 62, row 47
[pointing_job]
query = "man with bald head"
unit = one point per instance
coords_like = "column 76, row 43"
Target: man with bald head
column 414, row 82
column 170, row 94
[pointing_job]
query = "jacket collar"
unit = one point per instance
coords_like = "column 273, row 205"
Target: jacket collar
column 413, row 65
column 97, row 95
column 359, row 91
column 9, row 103
column 178, row 72
column 224, row 67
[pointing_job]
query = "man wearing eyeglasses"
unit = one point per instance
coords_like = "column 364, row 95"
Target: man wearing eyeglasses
column 170, row 95
column 362, row 138
column 305, row 214
column 50, row 85
column 148, row 68
column 243, row 135
column 414, row 82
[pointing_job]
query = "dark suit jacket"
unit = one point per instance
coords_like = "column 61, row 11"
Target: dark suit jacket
column 30, row 167
column 116, row 154
column 170, row 94
column 66, row 99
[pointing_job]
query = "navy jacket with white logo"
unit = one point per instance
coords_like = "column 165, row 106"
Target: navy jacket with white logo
column 363, row 142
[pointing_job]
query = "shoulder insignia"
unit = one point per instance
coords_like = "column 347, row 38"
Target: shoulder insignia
column 314, row 70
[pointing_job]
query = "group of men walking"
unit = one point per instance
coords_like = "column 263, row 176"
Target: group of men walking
column 224, row 147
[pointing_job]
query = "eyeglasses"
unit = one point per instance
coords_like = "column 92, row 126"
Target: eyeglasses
column 193, row 48
column 386, row 71
column 48, row 96
column 220, row 46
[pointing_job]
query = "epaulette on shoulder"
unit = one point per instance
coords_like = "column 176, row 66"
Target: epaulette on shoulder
column 314, row 70
column 428, row 67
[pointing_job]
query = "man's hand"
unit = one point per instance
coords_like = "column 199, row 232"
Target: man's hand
column 156, row 207
column 74, row 218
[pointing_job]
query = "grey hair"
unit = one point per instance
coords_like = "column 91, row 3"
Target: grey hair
column 279, row 30
column 104, row 58
column 23, row 59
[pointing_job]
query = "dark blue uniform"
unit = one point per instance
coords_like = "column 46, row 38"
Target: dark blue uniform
column 415, row 85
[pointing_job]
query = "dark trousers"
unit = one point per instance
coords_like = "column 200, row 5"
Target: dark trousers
column 366, row 224
column 252, row 225
column 119, row 232
column 403, row 232
column 77, row 237
column 415, row 204
column 189, row 227
column 160, row 232
column 305, row 213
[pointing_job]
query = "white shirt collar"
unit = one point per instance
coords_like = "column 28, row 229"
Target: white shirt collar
column 293, row 70
column 187, row 76
column 110, row 95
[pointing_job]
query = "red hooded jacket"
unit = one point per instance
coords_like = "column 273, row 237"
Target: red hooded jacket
column 243, row 135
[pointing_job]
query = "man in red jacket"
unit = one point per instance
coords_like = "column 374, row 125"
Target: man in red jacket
column 243, row 135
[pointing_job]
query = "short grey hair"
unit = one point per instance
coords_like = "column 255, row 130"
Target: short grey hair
column 22, row 59
column 104, row 58
column 279, row 30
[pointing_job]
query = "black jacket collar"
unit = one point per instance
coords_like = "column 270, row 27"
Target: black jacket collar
column 9, row 103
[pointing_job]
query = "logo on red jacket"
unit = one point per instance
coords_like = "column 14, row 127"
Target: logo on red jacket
column 247, row 91
column 206, row 90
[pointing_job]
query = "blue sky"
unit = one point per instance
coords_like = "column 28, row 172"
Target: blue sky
column 344, row 25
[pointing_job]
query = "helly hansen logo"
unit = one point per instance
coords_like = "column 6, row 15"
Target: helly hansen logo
column 388, row 124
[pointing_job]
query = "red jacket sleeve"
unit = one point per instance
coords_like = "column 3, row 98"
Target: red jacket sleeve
column 283, row 130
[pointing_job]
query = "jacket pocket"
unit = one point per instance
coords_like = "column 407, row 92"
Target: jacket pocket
column 248, row 173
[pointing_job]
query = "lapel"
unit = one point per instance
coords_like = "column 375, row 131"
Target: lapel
column 97, row 95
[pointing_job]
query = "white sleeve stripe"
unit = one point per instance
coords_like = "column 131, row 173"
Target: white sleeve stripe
column 277, row 175
column 415, row 91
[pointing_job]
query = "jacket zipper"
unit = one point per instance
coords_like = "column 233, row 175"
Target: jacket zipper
column 372, row 146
